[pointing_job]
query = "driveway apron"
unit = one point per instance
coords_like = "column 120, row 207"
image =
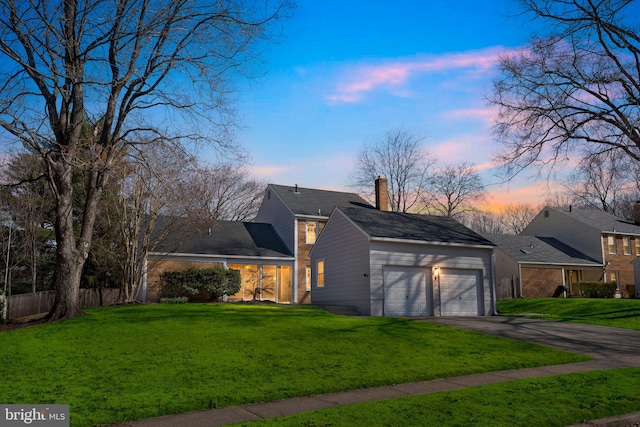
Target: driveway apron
column 620, row 347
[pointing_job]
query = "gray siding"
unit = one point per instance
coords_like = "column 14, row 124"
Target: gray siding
column 569, row 231
column 345, row 251
column 506, row 270
column 428, row 256
column 273, row 211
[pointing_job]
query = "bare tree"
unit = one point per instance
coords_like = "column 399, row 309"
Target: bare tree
column 126, row 67
column 484, row 222
column 516, row 217
column 601, row 181
column 453, row 191
column 27, row 204
column 400, row 157
column 576, row 87
column 224, row 192
column 153, row 181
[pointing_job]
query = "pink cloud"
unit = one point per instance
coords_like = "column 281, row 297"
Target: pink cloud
column 393, row 75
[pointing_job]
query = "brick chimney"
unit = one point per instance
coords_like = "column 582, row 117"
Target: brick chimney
column 636, row 212
column 382, row 194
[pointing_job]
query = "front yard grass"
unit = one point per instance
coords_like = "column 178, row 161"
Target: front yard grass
column 621, row 313
column 553, row 401
column 125, row 363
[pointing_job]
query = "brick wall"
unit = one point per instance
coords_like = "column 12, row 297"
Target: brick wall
column 621, row 263
column 304, row 260
column 540, row 282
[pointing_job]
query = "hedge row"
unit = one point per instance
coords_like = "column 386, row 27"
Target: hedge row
column 200, row 284
column 597, row 289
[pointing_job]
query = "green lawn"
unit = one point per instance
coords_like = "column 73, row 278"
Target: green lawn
column 621, row 313
column 546, row 402
column 123, row 363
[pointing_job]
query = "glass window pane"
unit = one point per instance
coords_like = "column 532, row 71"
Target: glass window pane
column 284, row 284
column 312, row 231
column 320, row 274
column 269, row 282
column 240, row 293
column 251, row 281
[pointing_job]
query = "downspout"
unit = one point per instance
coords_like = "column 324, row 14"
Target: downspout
column 519, row 280
column 494, row 308
column 294, row 278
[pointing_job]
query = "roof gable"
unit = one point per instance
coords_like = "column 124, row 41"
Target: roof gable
column 314, row 202
column 540, row 250
column 420, row 228
column 600, row 220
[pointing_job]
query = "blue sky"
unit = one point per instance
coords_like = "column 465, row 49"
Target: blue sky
column 348, row 71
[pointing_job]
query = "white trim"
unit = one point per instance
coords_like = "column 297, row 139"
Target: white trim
column 294, row 275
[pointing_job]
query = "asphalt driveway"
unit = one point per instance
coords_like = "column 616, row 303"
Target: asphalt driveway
column 621, row 347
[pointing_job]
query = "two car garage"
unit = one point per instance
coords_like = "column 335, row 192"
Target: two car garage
column 415, row 291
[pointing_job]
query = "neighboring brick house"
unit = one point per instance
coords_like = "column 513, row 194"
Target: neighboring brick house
column 611, row 241
column 535, row 267
column 298, row 215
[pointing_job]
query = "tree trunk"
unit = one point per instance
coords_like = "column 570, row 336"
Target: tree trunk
column 71, row 252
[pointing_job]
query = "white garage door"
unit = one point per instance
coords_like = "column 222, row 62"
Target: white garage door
column 460, row 292
column 407, row 292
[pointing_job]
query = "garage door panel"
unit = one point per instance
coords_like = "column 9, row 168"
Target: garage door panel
column 460, row 292
column 407, row 292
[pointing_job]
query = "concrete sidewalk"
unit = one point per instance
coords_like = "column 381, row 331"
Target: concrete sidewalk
column 611, row 356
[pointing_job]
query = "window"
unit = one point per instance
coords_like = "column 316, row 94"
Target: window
column 308, row 278
column 637, row 239
column 320, row 270
column 613, row 278
column 312, row 231
column 611, row 243
column 626, row 245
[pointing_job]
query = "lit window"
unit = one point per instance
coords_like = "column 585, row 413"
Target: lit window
column 626, row 245
column 312, row 231
column 611, row 243
column 308, row 277
column 613, row 278
column 320, row 269
column 637, row 239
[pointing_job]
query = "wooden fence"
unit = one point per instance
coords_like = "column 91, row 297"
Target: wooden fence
column 507, row 289
column 24, row 305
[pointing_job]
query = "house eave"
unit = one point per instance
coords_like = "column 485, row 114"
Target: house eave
column 428, row 243
column 221, row 257
column 560, row 264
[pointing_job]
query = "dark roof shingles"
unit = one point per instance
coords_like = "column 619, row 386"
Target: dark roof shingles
column 405, row 226
column 540, row 250
column 313, row 202
column 229, row 238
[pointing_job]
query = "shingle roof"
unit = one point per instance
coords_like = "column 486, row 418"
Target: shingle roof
column 404, row 226
column 314, row 202
column 600, row 220
column 547, row 250
column 250, row 239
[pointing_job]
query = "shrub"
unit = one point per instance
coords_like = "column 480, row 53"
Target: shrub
column 205, row 284
column 597, row 289
column 177, row 300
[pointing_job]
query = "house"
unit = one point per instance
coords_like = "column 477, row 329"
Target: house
column 299, row 215
column 538, row 267
column 612, row 242
column 398, row 264
column 253, row 248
